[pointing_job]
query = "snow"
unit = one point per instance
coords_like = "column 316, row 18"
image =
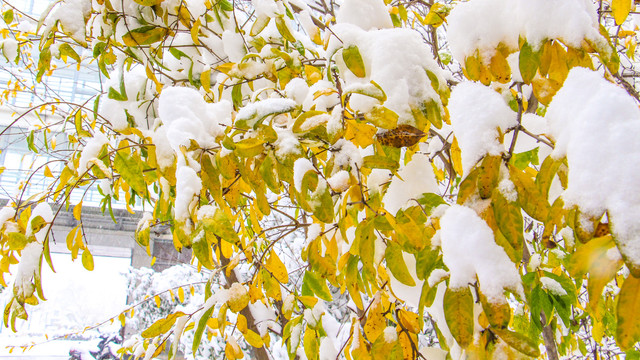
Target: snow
column 188, row 117
column 43, row 210
column 188, row 185
column 71, row 14
column 28, row 268
column 233, row 45
column 436, row 276
column 327, row 349
column 415, row 179
column 91, row 151
column 9, row 49
column 553, row 286
column 390, row 334
column 596, row 125
column 508, row 189
column 346, row 155
column 6, row 213
column 260, row 109
column 477, row 112
column 300, row 168
column 469, row 251
column 483, row 24
column 339, row 181
column 403, row 78
column 366, row 14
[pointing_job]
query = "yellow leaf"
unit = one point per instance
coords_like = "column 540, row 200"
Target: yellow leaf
column 145, row 35
column 47, row 172
column 253, row 339
column 238, row 297
column 410, row 321
column 195, row 30
column 395, row 263
column 499, row 68
column 205, row 80
column 77, row 211
column 184, row 17
column 157, row 300
column 181, row 295
column 620, row 10
column 241, row 323
column 456, row 156
column 376, row 322
column 359, row 133
column 87, row 260
column 458, row 312
column 593, row 258
column 353, row 60
column 275, row 266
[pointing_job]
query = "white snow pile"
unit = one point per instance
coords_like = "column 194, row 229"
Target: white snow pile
column 187, row 117
column 483, row 24
column 71, row 15
column 396, row 59
column 415, row 179
column 366, row 14
column 477, row 112
column 188, row 186
column 596, row 125
column 91, row 151
column 470, row 252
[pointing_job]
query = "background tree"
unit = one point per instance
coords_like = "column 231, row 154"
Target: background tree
column 462, row 177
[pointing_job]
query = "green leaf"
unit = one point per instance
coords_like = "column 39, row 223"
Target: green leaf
column 261, row 22
column 372, row 89
column 310, row 342
column 458, row 312
column 145, row 35
column 283, row 29
column 592, row 258
column 430, row 201
column 130, row 169
column 382, row 117
column 488, row 175
column 547, row 172
column 249, row 147
column 523, row 159
column 380, row 162
column 8, row 16
column 66, row 49
column 353, row 60
column 87, row 260
column 149, row 2
column 498, row 313
column 529, row 61
column 222, row 227
column 396, row 264
column 317, row 285
column 530, row 197
column 509, row 220
column 161, row 326
column 37, row 223
column 202, row 324
column 518, row 341
column 299, row 126
column 115, row 95
column 17, row 241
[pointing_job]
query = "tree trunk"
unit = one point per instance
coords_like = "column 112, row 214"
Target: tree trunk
column 549, row 339
column 257, row 353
